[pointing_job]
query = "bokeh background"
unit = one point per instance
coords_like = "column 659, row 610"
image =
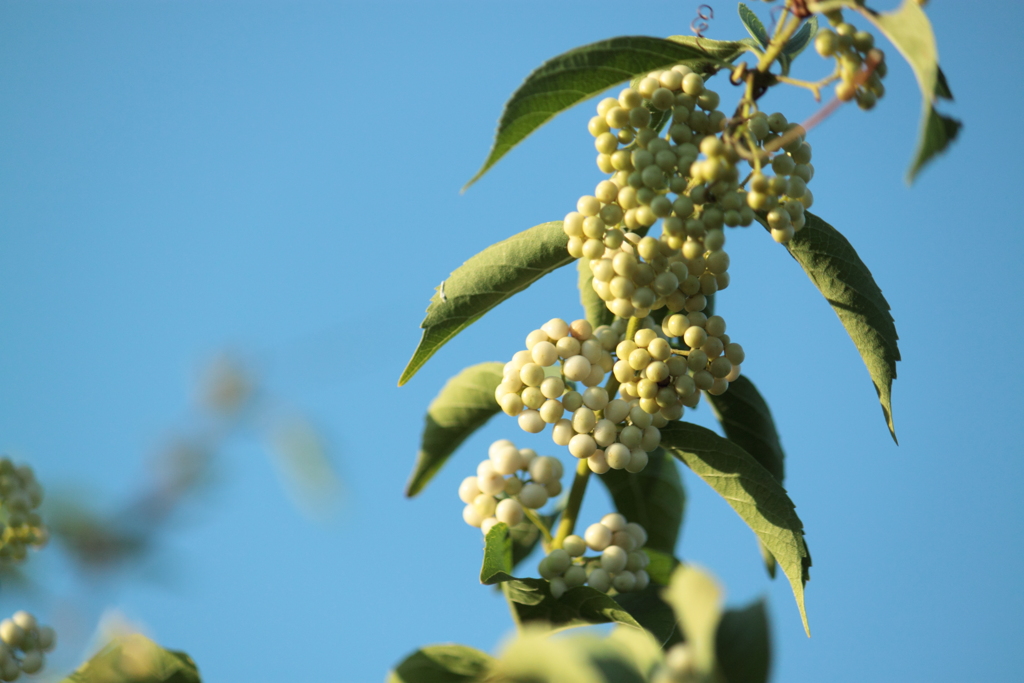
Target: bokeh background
column 274, row 187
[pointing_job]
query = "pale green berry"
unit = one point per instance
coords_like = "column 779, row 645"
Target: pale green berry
column 576, row 368
column 32, row 662
column 568, row 346
column 784, row 235
column 638, row 533
column 509, row 511
column 468, row 490
column 574, row 545
column 513, row 485
column 572, row 401
column 599, row 580
column 617, row 456
column 485, row 505
column 562, row 432
column 595, row 398
column 554, row 488
column 582, row 446
column 533, row 496
column 546, row 469
column 597, row 126
column 617, row 117
column 575, row 576
column 777, row 122
column 532, row 398
column 616, row 410
column 470, row 515
column 47, row 638
column 613, row 559
column 693, row 84
column 638, row 459
column 511, row 404
column 530, row 421
column 605, row 433
column 551, row 411
column 630, row 98
column 652, row 435
column 552, row 387
column 598, row 537
column 694, row 337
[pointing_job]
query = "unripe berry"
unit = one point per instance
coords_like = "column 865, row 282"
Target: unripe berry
column 559, row 560
column 551, row 411
column 546, row 469
column 613, row 559
column 562, row 432
column 598, row 462
column 575, row 576
column 468, row 490
column 582, row 446
column 32, row 662
column 533, row 496
column 513, row 485
column 598, row 537
column 599, row 580
column 488, row 524
column 530, row 421
column 576, row 368
column 574, row 545
column 693, row 84
column 624, row 582
column 47, row 639
column 470, row 515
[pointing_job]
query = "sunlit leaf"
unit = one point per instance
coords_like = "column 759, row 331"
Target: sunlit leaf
column 136, row 659
column 753, row 25
column 484, row 281
column 532, row 601
column 497, row 565
column 697, row 600
column 581, row 73
column 752, row 492
column 465, row 403
column 447, row 663
column 835, row 268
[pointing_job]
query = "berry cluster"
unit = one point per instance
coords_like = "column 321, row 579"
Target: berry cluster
column 20, row 524
column 499, row 492
column 621, row 564
column 852, row 50
column 23, row 645
column 610, row 433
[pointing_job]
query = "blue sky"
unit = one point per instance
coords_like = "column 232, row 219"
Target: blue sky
column 281, row 180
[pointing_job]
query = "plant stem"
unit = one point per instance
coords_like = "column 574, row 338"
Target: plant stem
column 815, row 87
column 787, row 27
column 572, row 509
column 632, row 327
column 539, row 523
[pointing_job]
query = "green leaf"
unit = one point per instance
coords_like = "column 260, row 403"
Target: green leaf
column 654, row 499
column 136, row 659
column 751, row 490
column 717, row 54
column 497, row 566
column 442, row 664
column 628, row 655
column 754, row 26
column 465, row 403
column 581, row 73
column 743, row 644
column 748, row 423
column 697, row 600
column 483, row 282
column 661, row 566
column 835, row 268
column 532, row 601
column 801, row 39
column 653, row 613
column 594, row 308
column 910, row 32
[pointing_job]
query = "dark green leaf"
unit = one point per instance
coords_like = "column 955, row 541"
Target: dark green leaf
column 909, row 30
column 747, row 422
column 594, row 308
column 752, row 491
column 136, row 659
column 583, row 72
column 653, row 613
column 442, row 664
column 801, row 39
column 743, row 644
column 697, row 600
column 654, row 499
column 753, row 25
column 835, row 268
column 483, row 282
column 497, row 566
column 533, row 602
column 937, row 132
column 465, row 403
